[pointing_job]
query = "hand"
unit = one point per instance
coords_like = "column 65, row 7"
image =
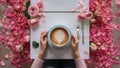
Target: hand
column 75, row 46
column 43, row 42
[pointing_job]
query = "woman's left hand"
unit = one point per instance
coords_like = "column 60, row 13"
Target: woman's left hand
column 75, row 46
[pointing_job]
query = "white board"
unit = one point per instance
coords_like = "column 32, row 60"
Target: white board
column 67, row 19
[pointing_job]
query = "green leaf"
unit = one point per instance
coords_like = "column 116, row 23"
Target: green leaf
column 35, row 44
column 26, row 12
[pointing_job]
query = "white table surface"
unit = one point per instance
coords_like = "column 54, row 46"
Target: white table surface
column 67, row 19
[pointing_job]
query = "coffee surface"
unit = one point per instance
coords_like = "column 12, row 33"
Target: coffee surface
column 59, row 37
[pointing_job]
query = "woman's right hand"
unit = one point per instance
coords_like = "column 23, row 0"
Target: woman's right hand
column 75, row 46
column 43, row 42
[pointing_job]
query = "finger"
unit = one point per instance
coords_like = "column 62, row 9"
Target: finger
column 73, row 40
column 41, row 35
column 43, row 32
column 44, row 35
column 73, row 37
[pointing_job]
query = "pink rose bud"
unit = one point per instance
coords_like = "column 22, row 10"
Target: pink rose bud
column 40, row 15
column 81, row 16
column 34, row 21
column 89, row 15
column 33, row 10
column 40, row 4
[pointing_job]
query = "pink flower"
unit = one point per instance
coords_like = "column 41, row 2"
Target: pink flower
column 92, row 20
column 19, row 48
column 15, row 32
column 40, row 5
column 34, row 21
column 85, row 15
column 18, row 7
column 101, row 32
column 81, row 16
column 27, row 38
column 89, row 15
column 117, row 2
column 40, row 15
column 33, row 10
column 93, row 46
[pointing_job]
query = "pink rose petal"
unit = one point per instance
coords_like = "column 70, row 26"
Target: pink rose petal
column 2, row 63
column 6, row 56
column 27, row 38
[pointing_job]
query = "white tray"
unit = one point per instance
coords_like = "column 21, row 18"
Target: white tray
column 67, row 19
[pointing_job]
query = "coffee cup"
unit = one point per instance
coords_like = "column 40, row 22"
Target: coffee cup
column 59, row 37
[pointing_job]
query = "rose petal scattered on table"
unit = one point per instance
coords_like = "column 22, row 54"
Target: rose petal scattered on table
column 85, row 52
column 6, row 56
column 2, row 63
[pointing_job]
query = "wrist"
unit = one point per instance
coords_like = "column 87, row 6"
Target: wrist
column 77, row 55
column 42, row 51
column 41, row 54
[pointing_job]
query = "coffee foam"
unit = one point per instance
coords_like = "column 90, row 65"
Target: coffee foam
column 59, row 37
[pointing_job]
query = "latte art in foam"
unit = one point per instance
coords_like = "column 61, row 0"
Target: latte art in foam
column 59, row 37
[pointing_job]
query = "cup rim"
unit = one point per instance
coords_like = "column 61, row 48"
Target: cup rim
column 68, row 41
